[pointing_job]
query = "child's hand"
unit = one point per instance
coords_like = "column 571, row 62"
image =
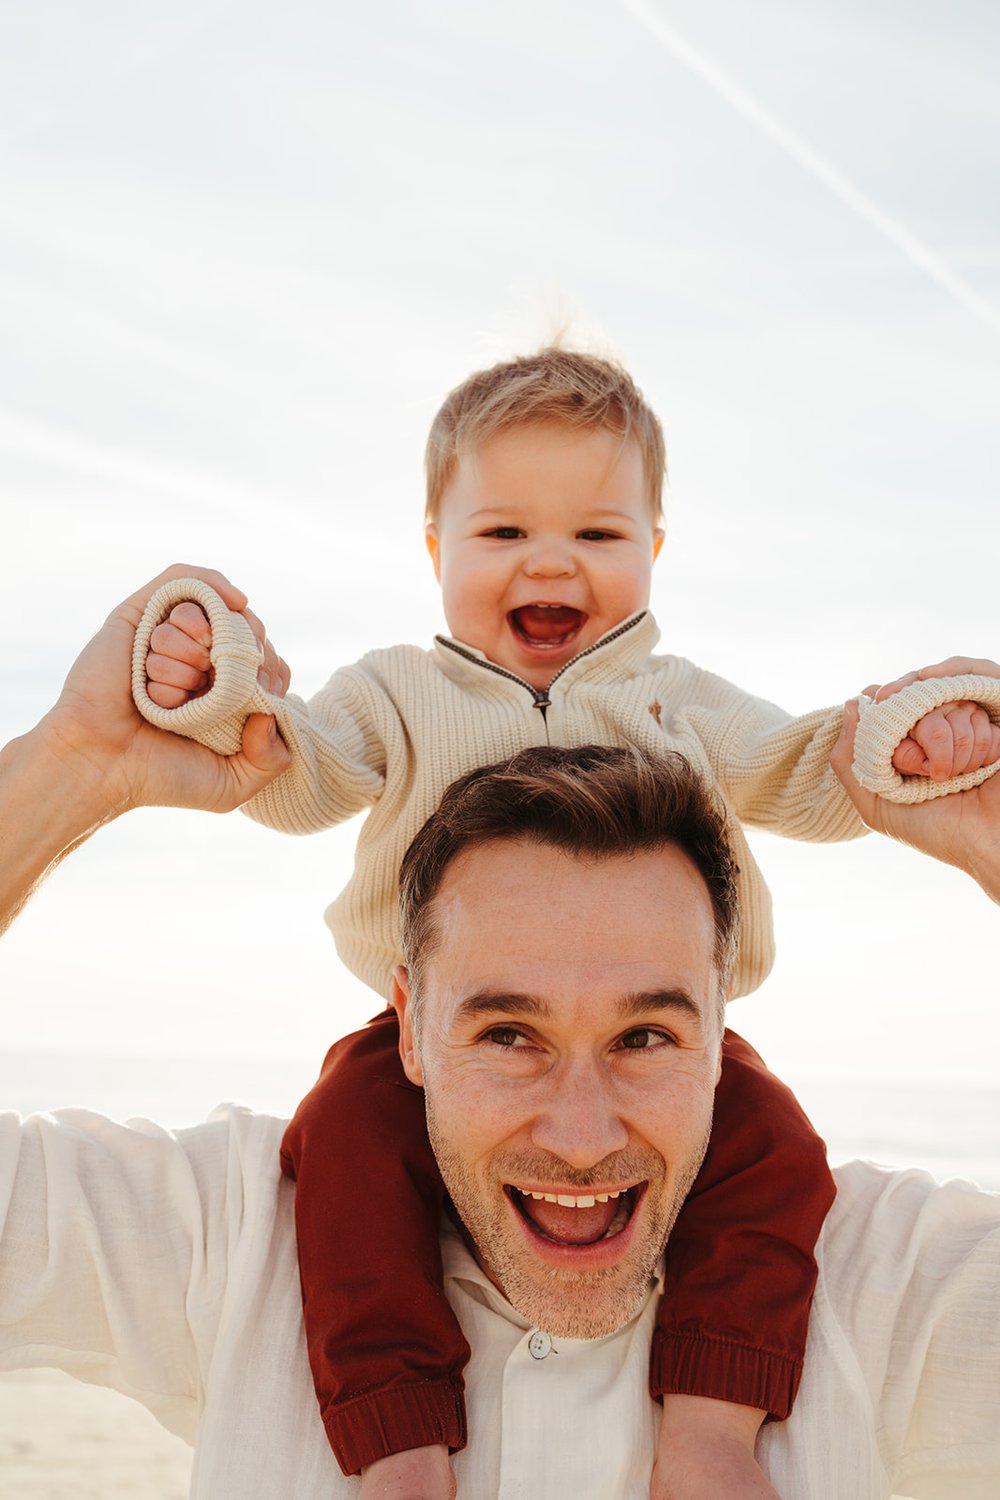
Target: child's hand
column 706, row 1450
column 417, row 1474
column 179, row 668
column 955, row 738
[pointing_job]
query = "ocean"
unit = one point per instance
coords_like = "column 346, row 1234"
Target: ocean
column 951, row 1132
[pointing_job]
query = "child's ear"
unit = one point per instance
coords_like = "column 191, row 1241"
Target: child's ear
column 658, row 536
column 403, row 1006
column 434, row 548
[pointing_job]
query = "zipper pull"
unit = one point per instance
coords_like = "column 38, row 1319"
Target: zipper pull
column 542, row 699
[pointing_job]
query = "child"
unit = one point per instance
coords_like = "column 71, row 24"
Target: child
column 543, row 522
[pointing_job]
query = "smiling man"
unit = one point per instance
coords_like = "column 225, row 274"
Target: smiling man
column 570, row 923
column 569, row 1064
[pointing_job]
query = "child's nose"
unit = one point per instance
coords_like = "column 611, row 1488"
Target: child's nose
column 550, row 559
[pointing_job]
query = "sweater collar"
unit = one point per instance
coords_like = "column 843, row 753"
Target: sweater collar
column 619, row 652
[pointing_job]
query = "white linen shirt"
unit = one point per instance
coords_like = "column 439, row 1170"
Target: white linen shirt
column 163, row 1264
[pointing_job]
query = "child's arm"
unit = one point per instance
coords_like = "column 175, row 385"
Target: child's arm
column 740, row 1274
column 775, row 770
column 385, row 1348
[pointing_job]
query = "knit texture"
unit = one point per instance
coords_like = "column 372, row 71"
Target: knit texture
column 235, row 656
column 391, row 732
column 883, row 725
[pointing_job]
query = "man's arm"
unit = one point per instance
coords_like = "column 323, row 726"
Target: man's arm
column 93, row 757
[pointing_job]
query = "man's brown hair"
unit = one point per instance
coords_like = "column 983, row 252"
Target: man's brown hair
column 554, row 385
column 598, row 801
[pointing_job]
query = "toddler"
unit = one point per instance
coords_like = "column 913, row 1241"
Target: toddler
column 543, row 522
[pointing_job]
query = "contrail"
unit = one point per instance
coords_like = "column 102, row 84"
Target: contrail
column 817, row 166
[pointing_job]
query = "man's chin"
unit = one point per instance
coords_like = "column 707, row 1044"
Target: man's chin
column 587, row 1305
column 580, row 1291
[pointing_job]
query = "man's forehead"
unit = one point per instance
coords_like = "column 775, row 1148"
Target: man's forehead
column 524, row 916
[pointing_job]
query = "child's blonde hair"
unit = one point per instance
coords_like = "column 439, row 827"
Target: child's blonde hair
column 554, row 385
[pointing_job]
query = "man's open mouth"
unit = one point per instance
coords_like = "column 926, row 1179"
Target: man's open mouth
column 576, row 1218
column 546, row 626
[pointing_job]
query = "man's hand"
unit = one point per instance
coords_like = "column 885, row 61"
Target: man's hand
column 95, row 724
column 962, row 829
column 178, row 666
column 93, row 756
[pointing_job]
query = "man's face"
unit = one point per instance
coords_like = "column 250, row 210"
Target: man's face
column 544, row 542
column 569, row 1049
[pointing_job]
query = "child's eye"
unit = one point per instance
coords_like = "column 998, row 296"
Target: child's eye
column 645, row 1039
column 598, row 536
column 504, row 533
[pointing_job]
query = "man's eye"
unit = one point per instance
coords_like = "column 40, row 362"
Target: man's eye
column 644, row 1038
column 504, row 1036
column 504, row 533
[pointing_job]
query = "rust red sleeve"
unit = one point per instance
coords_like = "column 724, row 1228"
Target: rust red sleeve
column 386, row 1351
column 385, row 1348
column 740, row 1265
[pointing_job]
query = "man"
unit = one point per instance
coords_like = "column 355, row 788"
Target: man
column 561, row 1009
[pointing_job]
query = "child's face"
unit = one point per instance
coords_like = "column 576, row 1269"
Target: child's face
column 544, row 541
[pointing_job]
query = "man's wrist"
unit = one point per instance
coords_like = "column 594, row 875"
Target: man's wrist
column 984, row 866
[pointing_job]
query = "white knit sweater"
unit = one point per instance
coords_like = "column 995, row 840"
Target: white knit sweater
column 393, row 731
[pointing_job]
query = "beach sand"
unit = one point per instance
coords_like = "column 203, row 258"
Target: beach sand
column 62, row 1440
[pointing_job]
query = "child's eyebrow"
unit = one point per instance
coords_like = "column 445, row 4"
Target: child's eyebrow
column 514, row 508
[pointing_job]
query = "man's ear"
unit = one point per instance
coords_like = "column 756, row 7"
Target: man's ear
column 402, row 1005
column 433, row 543
column 658, row 536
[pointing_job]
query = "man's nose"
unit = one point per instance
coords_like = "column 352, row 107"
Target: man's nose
column 579, row 1121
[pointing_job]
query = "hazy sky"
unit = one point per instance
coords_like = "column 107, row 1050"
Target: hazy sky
column 244, row 251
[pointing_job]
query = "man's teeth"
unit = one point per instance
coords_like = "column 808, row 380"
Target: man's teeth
column 567, row 1200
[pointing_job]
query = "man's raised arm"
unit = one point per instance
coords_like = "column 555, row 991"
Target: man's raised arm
column 93, row 757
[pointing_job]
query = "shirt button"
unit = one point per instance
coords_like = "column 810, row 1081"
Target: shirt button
column 540, row 1344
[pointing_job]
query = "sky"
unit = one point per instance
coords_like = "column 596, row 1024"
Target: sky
column 244, row 252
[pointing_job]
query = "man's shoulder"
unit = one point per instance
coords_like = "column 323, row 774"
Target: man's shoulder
column 884, row 1220
column 230, row 1129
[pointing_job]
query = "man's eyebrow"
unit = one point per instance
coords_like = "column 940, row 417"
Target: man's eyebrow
column 500, row 1002
column 641, row 1002
column 488, row 1002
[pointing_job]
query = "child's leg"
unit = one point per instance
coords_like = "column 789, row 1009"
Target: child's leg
column 385, row 1347
column 740, row 1270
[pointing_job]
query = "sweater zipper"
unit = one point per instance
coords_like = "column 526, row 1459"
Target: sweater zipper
column 540, row 696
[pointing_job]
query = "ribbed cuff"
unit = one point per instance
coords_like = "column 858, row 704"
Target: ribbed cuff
column 378, row 1423
column 696, row 1365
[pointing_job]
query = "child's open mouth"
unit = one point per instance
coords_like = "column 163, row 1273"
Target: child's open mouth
column 546, row 627
column 576, row 1219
